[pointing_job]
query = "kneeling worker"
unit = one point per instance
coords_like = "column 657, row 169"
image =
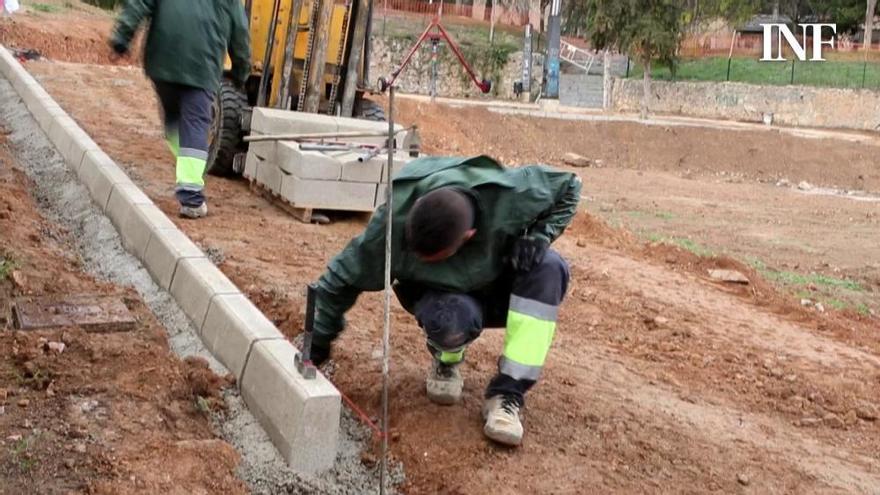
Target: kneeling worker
column 470, row 250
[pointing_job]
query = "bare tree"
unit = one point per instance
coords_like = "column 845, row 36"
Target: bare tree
column 869, row 23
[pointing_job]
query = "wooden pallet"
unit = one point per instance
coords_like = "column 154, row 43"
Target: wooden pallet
column 305, row 215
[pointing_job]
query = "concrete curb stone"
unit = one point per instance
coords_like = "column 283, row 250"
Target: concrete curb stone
column 232, row 325
column 305, row 431
column 195, row 282
column 164, row 251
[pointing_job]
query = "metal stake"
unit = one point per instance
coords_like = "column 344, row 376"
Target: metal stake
column 386, row 333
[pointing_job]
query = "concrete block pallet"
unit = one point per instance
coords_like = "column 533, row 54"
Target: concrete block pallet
column 305, row 179
column 301, row 416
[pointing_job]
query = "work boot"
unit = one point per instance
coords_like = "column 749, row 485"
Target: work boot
column 501, row 413
column 194, row 211
column 444, row 383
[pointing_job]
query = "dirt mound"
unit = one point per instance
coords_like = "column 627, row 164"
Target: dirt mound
column 79, row 37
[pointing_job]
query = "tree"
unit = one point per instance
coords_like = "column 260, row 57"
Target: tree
column 869, row 23
column 647, row 30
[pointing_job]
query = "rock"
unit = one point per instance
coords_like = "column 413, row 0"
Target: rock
column 18, row 279
column 576, row 160
column 23, row 403
column 68, row 463
column 581, row 242
column 56, row 346
column 743, row 479
column 851, row 418
column 776, row 372
column 660, row 320
column 806, row 302
column 832, row 420
column 731, row 276
column 2, row 410
column 868, row 412
column 820, row 308
column 804, row 185
column 80, row 447
column 809, row 421
column 783, row 183
column 3, row 394
column 14, row 438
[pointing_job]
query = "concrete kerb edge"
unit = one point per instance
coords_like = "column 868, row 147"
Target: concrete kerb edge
column 52, row 117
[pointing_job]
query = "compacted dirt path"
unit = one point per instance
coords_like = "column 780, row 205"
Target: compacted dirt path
column 661, row 379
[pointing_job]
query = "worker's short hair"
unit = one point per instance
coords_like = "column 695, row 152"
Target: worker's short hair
column 438, row 220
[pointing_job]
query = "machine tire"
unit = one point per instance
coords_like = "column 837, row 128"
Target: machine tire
column 225, row 138
column 370, row 110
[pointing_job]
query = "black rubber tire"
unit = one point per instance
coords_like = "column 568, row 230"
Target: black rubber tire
column 225, row 139
column 370, row 110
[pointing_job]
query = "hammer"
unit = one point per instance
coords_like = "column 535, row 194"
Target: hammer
column 303, row 360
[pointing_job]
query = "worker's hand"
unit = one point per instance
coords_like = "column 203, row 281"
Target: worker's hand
column 117, row 50
column 320, row 354
column 528, row 252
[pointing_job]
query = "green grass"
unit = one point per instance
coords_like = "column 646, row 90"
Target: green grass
column 840, row 73
column 663, row 215
column 684, row 243
column 44, row 7
column 7, row 264
column 21, row 455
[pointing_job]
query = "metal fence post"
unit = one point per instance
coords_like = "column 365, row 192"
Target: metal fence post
column 864, row 73
column 729, row 59
column 627, row 67
column 792, row 71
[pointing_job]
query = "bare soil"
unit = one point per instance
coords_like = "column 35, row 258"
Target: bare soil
column 661, row 379
column 113, row 412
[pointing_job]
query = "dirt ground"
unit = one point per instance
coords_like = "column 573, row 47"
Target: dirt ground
column 660, row 379
column 86, row 420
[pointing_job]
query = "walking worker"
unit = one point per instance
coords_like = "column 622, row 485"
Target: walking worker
column 187, row 42
column 470, row 250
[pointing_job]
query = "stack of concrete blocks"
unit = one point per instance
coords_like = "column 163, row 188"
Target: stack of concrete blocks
column 301, row 416
column 327, row 180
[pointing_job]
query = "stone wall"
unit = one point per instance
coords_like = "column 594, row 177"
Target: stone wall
column 452, row 79
column 789, row 105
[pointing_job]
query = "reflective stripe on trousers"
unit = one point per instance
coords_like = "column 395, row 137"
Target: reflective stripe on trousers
column 531, row 325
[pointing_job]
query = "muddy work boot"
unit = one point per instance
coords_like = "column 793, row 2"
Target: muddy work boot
column 194, row 211
column 444, row 383
column 501, row 413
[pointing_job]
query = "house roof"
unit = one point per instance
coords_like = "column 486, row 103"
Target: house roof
column 754, row 25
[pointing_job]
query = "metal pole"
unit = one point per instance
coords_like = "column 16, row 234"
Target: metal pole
column 386, row 333
column 262, row 96
column 792, row 71
column 864, row 73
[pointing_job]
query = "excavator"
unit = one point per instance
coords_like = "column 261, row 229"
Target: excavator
column 308, row 56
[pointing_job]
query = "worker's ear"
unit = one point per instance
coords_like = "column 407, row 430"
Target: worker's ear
column 468, row 234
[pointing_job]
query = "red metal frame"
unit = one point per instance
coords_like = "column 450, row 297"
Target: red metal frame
column 484, row 85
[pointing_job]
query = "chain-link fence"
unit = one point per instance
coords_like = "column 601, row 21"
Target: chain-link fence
column 831, row 73
column 737, row 59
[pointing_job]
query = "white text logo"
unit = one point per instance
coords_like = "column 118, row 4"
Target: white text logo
column 800, row 50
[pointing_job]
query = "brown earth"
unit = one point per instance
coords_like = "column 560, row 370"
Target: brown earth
column 660, row 379
column 87, row 420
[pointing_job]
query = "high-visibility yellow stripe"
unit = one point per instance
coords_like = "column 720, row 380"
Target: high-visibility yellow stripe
column 527, row 339
column 190, row 170
column 451, row 357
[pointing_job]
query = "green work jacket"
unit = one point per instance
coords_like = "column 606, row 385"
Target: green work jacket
column 533, row 200
column 188, row 40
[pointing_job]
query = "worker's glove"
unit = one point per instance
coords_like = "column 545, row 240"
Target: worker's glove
column 320, row 353
column 528, row 252
column 119, row 47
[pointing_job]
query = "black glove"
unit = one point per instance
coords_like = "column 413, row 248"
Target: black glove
column 320, row 353
column 119, row 47
column 528, row 252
